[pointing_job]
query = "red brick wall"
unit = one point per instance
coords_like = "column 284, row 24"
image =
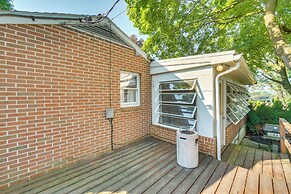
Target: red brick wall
column 206, row 145
column 55, row 87
column 232, row 130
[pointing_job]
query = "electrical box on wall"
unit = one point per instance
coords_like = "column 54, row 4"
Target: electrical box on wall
column 109, row 113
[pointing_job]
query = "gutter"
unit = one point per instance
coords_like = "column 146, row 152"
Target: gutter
column 217, row 106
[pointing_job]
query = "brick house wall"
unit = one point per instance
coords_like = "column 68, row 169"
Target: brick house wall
column 55, row 87
column 232, row 130
column 206, row 145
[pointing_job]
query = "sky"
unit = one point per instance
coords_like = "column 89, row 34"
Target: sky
column 86, row 7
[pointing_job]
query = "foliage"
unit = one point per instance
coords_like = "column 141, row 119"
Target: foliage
column 179, row 28
column 6, row 5
column 262, row 113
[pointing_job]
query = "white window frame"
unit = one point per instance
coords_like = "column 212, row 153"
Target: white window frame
column 238, row 100
column 130, row 104
column 193, row 104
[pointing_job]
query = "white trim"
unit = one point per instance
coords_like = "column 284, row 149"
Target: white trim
column 130, row 104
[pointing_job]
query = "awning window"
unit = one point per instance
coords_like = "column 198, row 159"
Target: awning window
column 177, row 104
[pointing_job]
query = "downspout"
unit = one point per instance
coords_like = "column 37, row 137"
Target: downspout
column 217, row 105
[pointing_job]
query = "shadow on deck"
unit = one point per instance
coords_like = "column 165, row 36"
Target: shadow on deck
column 149, row 166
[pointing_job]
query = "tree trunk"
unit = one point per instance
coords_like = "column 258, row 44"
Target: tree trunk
column 281, row 47
column 284, row 76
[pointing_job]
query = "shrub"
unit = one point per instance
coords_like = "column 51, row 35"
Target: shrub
column 262, row 113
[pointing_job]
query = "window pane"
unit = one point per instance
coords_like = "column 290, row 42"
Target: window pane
column 177, row 85
column 232, row 118
column 184, row 111
column 129, row 95
column 128, row 80
column 177, row 122
column 185, row 98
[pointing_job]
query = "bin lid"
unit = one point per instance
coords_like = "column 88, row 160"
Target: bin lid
column 187, row 132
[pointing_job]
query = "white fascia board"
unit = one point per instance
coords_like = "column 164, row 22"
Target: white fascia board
column 245, row 68
column 159, row 69
column 27, row 20
column 177, row 64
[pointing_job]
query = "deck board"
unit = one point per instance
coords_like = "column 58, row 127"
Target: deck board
column 286, row 169
column 149, row 166
column 266, row 185
column 252, row 184
column 192, row 177
column 267, row 164
column 108, row 157
column 277, row 166
column 200, row 183
column 227, row 179
column 239, row 181
column 215, row 179
column 225, row 155
column 248, row 164
column 234, row 154
column 258, row 162
column 175, row 182
column 240, row 160
column 68, row 182
column 99, row 179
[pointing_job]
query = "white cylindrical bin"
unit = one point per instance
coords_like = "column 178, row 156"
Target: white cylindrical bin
column 187, row 148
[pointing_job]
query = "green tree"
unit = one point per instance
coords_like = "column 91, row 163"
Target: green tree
column 6, row 5
column 261, row 29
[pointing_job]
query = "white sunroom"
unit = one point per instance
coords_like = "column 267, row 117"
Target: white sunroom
column 205, row 93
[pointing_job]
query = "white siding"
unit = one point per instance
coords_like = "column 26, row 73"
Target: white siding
column 204, row 88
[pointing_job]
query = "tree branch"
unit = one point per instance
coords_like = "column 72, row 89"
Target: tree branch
column 274, row 80
column 285, row 28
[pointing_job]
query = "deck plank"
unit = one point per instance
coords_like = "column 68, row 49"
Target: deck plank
column 227, row 179
column 277, row 166
column 67, row 170
column 248, row 164
column 225, row 155
column 200, row 183
column 258, row 162
column 234, row 154
column 267, row 164
column 280, row 186
column 162, row 167
column 286, row 169
column 192, row 177
column 97, row 177
column 174, row 183
column 252, row 184
column 155, row 188
column 127, row 177
column 240, row 160
column 215, row 179
column 266, row 185
column 151, row 180
column 238, row 185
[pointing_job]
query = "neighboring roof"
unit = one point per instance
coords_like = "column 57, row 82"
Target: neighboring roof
column 228, row 57
column 271, row 128
column 73, row 21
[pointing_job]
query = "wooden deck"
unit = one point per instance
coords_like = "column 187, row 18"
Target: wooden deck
column 149, row 166
column 270, row 166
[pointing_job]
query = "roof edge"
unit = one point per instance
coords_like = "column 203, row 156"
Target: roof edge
column 24, row 17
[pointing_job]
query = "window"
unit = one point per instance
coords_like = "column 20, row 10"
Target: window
column 237, row 103
column 177, row 104
column 129, row 86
